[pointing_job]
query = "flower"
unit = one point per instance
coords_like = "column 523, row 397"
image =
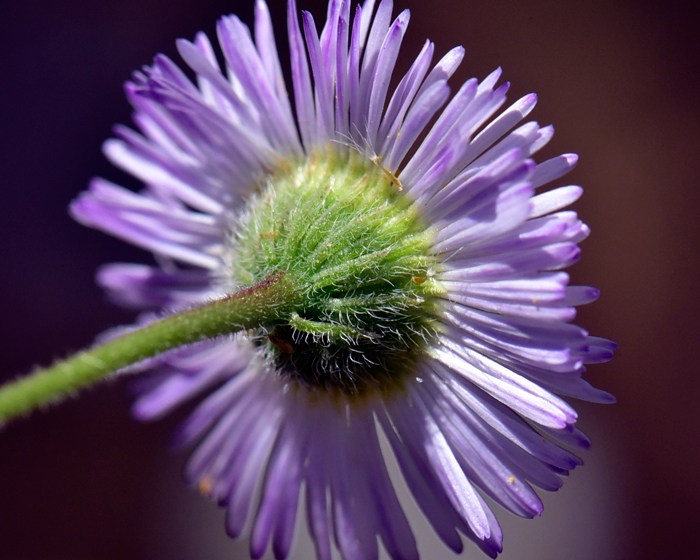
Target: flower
column 435, row 306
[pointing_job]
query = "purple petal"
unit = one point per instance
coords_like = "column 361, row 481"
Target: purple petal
column 303, row 98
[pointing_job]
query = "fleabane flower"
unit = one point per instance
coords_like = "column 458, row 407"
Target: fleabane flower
column 429, row 298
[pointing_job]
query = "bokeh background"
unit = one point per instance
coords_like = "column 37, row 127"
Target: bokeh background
column 619, row 79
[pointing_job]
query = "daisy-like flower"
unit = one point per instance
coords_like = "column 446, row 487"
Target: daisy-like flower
column 426, row 297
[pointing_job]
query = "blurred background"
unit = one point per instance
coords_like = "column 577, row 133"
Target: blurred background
column 619, row 80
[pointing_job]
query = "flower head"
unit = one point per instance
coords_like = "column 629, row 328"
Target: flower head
column 431, row 301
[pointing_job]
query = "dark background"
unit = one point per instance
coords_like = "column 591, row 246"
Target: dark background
column 620, row 82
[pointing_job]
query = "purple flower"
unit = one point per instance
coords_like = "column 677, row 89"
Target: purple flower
column 476, row 408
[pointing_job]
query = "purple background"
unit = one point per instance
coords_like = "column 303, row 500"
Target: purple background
column 620, row 82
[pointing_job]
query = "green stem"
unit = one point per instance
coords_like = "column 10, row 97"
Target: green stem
column 262, row 304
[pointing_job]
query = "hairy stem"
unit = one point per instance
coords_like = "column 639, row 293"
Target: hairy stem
column 261, row 304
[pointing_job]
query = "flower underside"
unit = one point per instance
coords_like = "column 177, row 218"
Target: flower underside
column 355, row 247
column 385, row 257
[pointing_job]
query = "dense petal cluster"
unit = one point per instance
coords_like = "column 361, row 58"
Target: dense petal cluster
column 481, row 411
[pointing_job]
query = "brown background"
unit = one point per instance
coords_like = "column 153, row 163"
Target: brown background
column 620, row 82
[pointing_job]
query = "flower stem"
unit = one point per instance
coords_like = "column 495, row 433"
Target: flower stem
column 261, row 304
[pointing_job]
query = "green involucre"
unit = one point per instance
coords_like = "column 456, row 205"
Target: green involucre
column 339, row 228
